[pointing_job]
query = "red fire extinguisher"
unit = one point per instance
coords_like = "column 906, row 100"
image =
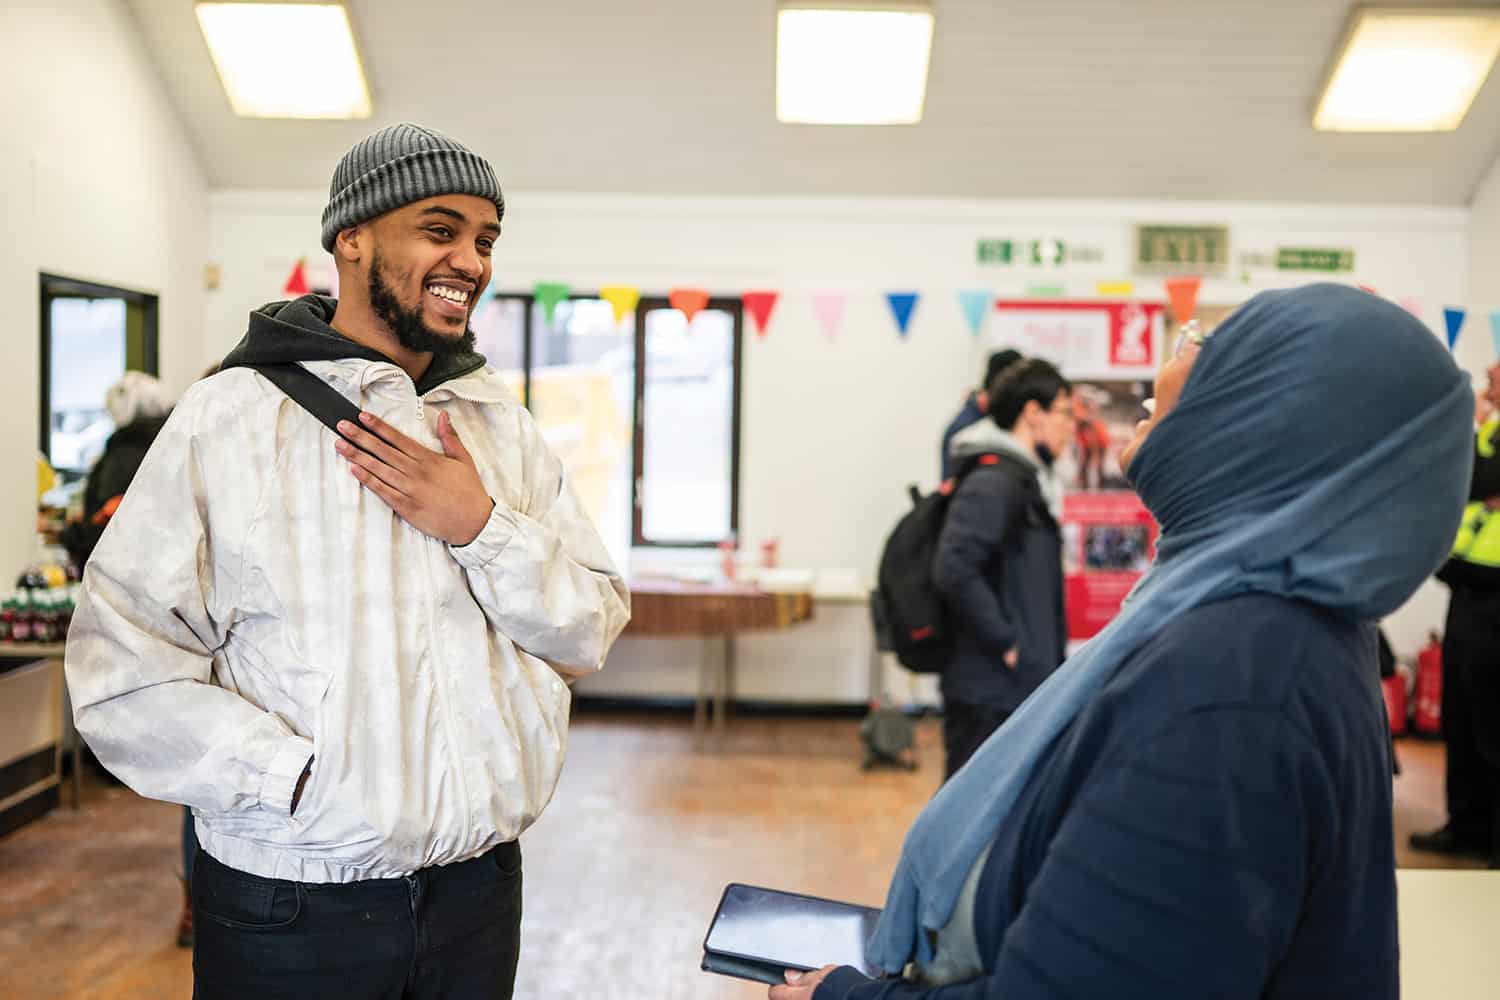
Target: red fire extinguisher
column 1429, row 715
column 1394, row 690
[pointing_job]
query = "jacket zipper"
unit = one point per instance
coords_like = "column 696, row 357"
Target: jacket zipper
column 439, row 669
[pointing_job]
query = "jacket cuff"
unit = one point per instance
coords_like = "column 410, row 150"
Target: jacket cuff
column 280, row 781
column 840, row 983
column 494, row 536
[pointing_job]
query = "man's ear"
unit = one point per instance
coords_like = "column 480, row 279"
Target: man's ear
column 350, row 243
column 982, row 400
column 1032, row 412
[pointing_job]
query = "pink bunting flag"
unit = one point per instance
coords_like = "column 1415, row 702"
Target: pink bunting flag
column 829, row 309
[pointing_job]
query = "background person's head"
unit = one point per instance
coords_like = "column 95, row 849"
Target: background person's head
column 1033, row 401
column 411, row 221
column 997, row 363
column 136, row 396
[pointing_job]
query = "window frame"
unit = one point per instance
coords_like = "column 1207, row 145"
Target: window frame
column 55, row 286
column 735, row 308
column 647, row 303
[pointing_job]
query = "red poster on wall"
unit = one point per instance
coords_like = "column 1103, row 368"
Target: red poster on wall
column 1110, row 351
column 1087, row 340
column 1109, row 540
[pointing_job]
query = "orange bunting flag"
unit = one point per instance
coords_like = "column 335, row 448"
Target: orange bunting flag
column 1183, row 294
column 690, row 301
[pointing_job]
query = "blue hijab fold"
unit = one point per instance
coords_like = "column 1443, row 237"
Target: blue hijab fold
column 1320, row 451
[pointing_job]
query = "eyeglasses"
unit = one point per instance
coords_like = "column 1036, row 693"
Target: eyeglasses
column 1190, row 332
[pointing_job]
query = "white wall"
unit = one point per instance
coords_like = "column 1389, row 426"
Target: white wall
column 97, row 181
column 833, row 432
column 1476, row 348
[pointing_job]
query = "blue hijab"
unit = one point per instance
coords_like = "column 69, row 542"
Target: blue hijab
column 1320, row 451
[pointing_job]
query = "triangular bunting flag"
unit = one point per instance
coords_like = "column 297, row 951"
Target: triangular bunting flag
column 1412, row 306
column 829, row 308
column 902, row 304
column 622, row 298
column 1045, row 291
column 1367, row 288
column 690, row 301
column 1115, row 289
column 296, row 282
column 1495, row 330
column 548, row 294
column 760, row 305
column 1182, row 293
column 975, row 305
column 1454, row 318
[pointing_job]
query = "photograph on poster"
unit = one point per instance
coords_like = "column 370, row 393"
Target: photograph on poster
column 1117, row 548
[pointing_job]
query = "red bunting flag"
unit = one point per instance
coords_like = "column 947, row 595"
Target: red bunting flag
column 296, row 284
column 760, row 306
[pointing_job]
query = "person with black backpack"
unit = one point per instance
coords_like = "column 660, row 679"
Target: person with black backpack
column 998, row 567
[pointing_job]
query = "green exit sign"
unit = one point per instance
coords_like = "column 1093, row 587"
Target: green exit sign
column 997, row 252
column 1181, row 249
column 1313, row 259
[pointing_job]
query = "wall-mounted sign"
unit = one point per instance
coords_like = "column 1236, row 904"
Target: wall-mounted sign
column 996, row 252
column 1085, row 339
column 1049, row 252
column 1314, row 259
column 1182, row 250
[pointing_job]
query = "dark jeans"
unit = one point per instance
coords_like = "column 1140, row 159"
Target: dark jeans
column 189, row 845
column 965, row 728
column 1471, row 716
column 452, row 932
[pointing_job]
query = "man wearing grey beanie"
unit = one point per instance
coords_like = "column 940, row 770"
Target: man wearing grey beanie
column 350, row 653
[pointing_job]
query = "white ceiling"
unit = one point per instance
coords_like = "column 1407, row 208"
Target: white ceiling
column 1027, row 98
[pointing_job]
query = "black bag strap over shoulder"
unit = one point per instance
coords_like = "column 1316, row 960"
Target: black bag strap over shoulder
column 313, row 395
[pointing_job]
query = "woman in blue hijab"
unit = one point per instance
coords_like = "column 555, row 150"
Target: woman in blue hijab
column 1198, row 803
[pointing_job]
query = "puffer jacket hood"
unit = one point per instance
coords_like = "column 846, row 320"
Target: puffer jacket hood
column 986, row 437
column 300, row 330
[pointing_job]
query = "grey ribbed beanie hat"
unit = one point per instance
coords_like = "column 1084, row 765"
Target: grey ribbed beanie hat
column 397, row 166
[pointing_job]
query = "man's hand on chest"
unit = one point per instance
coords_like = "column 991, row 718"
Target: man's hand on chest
column 438, row 493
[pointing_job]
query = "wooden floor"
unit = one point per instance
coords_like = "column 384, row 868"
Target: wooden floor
column 622, row 872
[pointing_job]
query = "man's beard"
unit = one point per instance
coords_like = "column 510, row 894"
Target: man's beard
column 411, row 333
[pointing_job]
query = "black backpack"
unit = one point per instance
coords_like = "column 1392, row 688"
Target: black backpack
column 907, row 599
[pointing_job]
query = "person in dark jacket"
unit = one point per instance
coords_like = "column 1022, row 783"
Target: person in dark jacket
column 999, row 560
column 976, row 404
column 1198, row 804
column 1471, row 658
column 138, row 405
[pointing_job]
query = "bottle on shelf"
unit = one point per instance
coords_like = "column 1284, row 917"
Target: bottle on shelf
column 21, row 630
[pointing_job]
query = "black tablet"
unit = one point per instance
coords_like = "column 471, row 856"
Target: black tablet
column 758, row 934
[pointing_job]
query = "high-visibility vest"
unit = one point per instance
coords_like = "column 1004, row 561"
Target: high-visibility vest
column 1478, row 539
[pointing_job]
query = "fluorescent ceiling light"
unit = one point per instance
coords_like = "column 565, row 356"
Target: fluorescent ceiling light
column 1409, row 69
column 286, row 60
column 852, row 64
